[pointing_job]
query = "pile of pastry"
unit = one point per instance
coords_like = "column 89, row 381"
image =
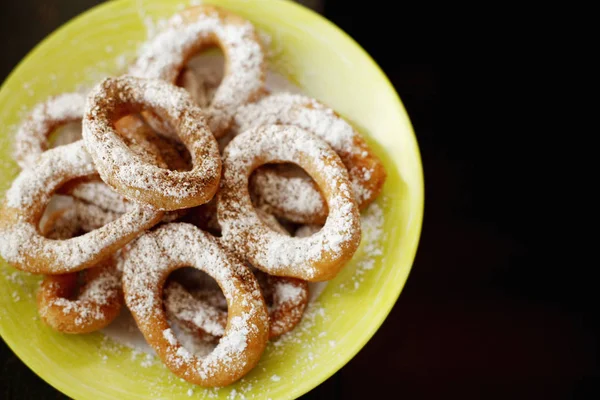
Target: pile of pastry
column 260, row 191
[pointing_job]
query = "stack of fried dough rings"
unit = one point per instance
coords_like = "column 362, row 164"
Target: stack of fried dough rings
column 166, row 176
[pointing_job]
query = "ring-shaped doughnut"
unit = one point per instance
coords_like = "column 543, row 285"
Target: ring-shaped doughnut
column 100, row 297
column 132, row 176
column 97, row 305
column 315, row 258
column 193, row 30
column 367, row 173
column 148, row 263
column 25, row 248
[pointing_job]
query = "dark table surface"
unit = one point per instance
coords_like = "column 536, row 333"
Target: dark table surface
column 486, row 312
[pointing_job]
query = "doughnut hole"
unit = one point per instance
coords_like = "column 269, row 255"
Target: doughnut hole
column 290, row 194
column 201, row 77
column 196, row 309
column 143, row 140
column 203, row 74
column 196, row 280
column 68, row 133
column 196, row 306
column 66, row 217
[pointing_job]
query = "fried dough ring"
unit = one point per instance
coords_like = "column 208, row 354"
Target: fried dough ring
column 148, row 263
column 315, row 258
column 367, row 173
column 196, row 29
column 25, row 248
column 98, row 304
column 100, row 299
column 130, row 175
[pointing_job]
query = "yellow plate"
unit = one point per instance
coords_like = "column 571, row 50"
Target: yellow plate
column 328, row 65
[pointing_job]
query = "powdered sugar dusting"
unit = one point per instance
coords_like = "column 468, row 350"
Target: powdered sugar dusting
column 204, row 73
column 124, row 331
column 168, row 334
column 48, row 172
column 371, row 246
column 192, row 346
column 286, row 292
column 204, row 310
column 90, row 306
column 299, row 110
column 98, row 192
column 99, row 297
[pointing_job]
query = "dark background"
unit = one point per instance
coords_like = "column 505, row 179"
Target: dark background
column 493, row 307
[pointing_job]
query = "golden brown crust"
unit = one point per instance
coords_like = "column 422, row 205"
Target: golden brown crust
column 62, row 304
column 25, row 248
column 85, row 314
column 315, row 258
column 148, row 263
column 134, row 177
